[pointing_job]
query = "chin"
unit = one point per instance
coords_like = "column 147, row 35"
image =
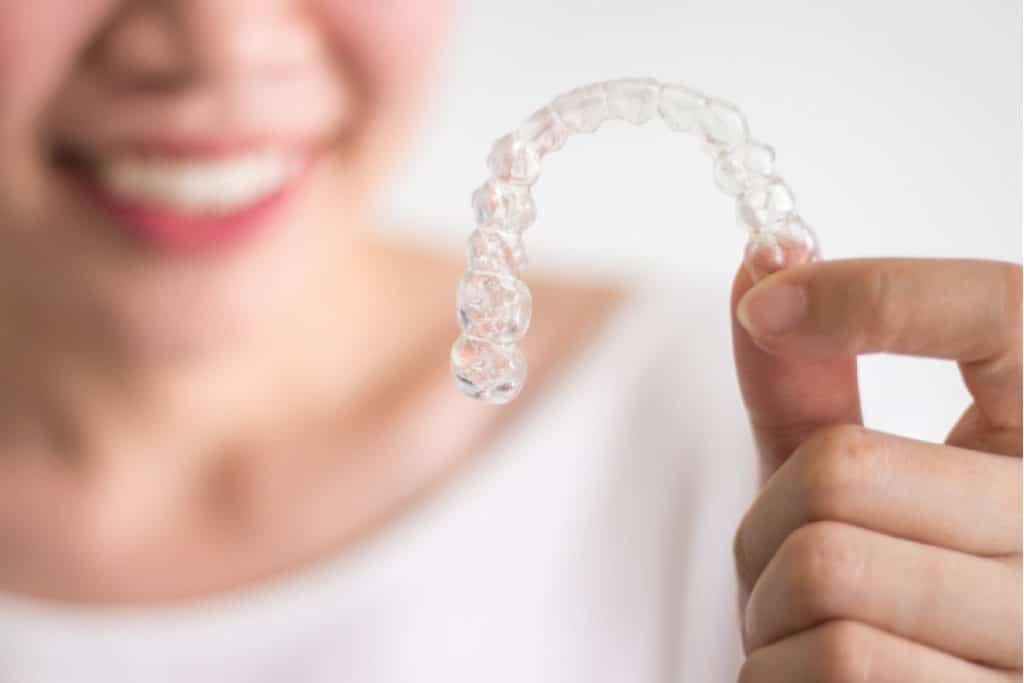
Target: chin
column 215, row 308
column 207, row 325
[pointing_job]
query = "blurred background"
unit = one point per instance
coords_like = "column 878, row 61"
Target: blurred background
column 898, row 126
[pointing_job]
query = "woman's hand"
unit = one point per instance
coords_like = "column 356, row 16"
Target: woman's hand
column 867, row 556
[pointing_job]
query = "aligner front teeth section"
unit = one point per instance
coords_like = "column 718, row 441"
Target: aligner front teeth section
column 722, row 126
column 583, row 110
column 681, row 107
column 494, row 306
column 632, row 99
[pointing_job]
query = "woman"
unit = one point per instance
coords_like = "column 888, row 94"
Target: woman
column 231, row 449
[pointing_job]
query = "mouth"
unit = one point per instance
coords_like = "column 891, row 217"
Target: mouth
column 188, row 198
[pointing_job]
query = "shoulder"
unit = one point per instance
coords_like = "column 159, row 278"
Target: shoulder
column 568, row 312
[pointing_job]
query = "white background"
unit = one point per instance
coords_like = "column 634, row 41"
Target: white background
column 897, row 124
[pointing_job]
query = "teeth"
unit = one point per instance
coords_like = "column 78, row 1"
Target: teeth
column 199, row 186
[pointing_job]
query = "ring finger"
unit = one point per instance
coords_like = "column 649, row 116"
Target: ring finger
column 941, row 598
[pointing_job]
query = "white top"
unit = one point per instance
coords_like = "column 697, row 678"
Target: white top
column 592, row 543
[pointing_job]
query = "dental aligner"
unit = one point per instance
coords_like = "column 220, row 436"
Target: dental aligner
column 493, row 304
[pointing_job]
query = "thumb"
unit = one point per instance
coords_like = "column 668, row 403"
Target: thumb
column 787, row 398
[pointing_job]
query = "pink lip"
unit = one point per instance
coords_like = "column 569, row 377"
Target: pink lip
column 185, row 232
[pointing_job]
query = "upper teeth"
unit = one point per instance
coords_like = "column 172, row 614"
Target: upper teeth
column 208, row 185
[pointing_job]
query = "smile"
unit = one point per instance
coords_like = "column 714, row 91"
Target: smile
column 191, row 199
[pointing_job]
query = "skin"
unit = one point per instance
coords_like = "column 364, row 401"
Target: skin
column 868, row 556
column 172, row 424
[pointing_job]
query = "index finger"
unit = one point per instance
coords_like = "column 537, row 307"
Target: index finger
column 964, row 310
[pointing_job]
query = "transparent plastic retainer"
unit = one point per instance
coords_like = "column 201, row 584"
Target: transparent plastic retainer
column 493, row 304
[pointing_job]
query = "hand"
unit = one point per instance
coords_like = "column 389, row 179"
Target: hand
column 867, row 556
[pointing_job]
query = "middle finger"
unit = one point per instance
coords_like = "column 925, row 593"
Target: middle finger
column 940, row 495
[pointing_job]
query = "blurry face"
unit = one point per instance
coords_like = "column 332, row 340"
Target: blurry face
column 176, row 174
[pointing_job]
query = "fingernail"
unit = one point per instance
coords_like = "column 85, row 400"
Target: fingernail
column 772, row 310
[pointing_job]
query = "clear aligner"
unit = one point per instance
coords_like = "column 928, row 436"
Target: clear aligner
column 494, row 305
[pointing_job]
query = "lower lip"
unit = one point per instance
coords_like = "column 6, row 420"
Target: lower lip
column 172, row 230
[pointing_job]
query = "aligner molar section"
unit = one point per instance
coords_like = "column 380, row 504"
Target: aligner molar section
column 504, row 206
column 583, row 110
column 484, row 370
column 491, row 251
column 792, row 244
column 493, row 306
column 746, row 164
column 765, row 208
column 632, row 99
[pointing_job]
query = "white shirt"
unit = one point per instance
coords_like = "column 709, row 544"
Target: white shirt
column 591, row 542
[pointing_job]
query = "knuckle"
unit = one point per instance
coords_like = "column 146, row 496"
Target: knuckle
column 837, row 651
column 844, row 650
column 824, row 566
column 836, row 465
